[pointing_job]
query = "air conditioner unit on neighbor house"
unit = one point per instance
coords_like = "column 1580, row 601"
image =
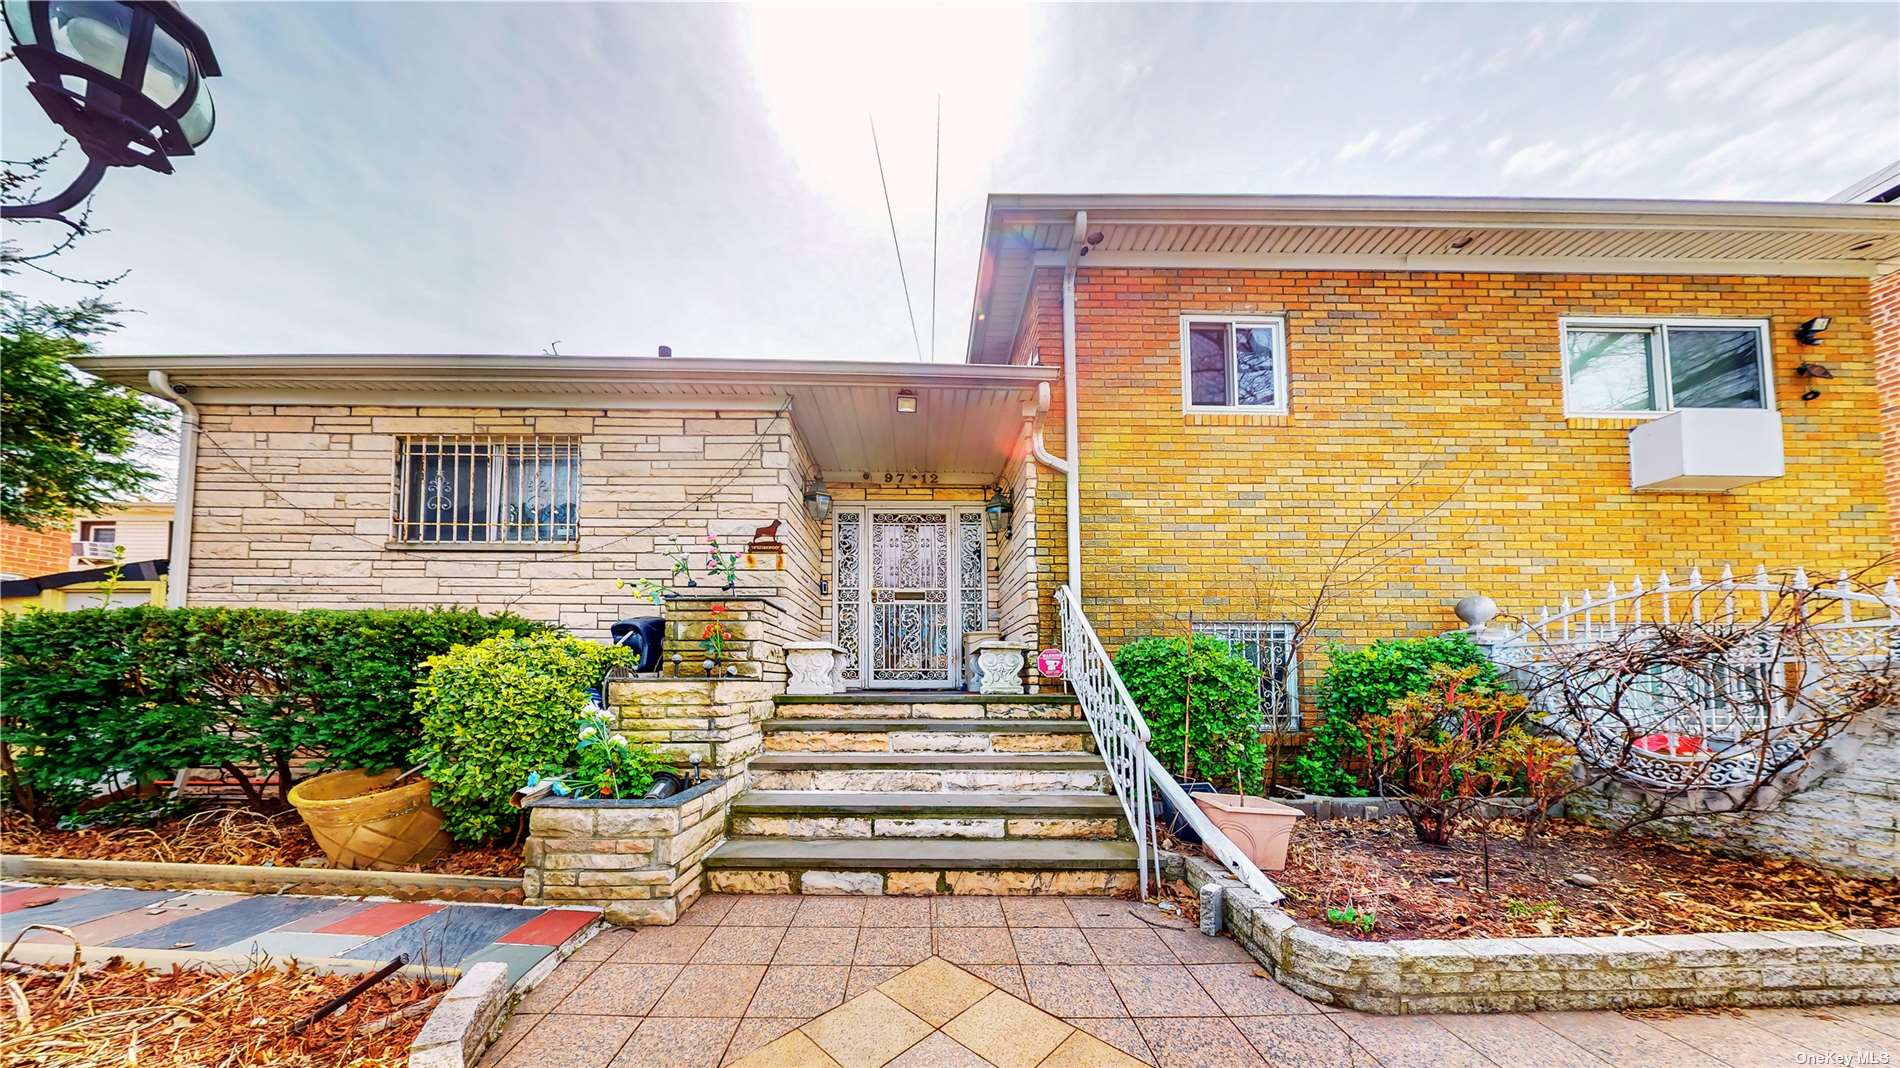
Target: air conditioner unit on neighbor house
column 1706, row 450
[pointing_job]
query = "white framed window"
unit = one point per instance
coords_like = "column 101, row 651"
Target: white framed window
column 1233, row 363
column 1269, row 647
column 99, row 533
column 487, row 488
column 1643, row 366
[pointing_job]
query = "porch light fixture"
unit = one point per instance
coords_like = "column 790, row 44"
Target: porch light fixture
column 1809, row 333
column 999, row 511
column 142, row 66
column 906, row 401
column 817, row 500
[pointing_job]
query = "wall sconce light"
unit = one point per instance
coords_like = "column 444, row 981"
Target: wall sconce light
column 1809, row 333
column 1813, row 371
column 906, row 401
column 999, row 511
column 817, row 500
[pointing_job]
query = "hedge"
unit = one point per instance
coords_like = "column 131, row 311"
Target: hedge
column 127, row 696
column 1215, row 714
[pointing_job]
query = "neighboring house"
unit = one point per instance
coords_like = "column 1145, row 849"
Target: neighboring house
column 1510, row 397
column 27, row 553
column 93, row 587
column 142, row 530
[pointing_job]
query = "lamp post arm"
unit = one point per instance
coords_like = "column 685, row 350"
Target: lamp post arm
column 56, row 207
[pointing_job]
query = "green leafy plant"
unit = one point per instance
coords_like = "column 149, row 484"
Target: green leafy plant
column 498, row 711
column 715, row 635
column 1364, row 682
column 1361, row 920
column 1450, row 749
column 124, row 697
column 1202, row 708
column 610, row 766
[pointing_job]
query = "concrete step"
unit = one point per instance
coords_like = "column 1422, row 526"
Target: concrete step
column 927, row 704
column 931, row 772
column 926, row 736
column 812, row 814
column 930, row 866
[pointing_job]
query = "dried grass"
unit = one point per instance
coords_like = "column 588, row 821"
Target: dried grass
column 117, row 1013
column 222, row 835
column 1642, row 885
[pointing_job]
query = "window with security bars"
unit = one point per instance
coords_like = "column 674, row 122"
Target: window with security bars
column 493, row 489
column 1269, row 647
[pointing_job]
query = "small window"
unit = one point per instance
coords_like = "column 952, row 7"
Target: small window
column 1649, row 367
column 1269, row 647
column 99, row 533
column 1233, row 364
column 452, row 490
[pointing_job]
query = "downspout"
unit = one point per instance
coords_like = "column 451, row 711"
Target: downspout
column 178, row 573
column 1072, row 476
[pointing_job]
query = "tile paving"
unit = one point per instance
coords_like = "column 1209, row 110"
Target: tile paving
column 1054, row 983
column 287, row 926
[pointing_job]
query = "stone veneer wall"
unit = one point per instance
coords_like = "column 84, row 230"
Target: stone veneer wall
column 292, row 510
column 1846, row 819
column 757, row 623
column 1784, row 968
column 640, row 862
column 717, row 719
column 1018, row 581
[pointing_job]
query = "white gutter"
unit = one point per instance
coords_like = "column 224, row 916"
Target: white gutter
column 178, row 570
column 1071, row 435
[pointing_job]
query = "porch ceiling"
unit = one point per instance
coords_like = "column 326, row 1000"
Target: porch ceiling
column 967, row 421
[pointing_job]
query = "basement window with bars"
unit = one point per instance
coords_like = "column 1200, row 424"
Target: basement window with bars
column 1269, row 647
column 487, row 489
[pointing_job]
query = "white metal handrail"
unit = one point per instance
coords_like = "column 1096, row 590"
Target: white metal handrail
column 1121, row 736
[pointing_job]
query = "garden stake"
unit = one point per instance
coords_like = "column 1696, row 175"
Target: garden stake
column 347, row 996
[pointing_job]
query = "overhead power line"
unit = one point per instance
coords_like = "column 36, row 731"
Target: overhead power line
column 892, row 216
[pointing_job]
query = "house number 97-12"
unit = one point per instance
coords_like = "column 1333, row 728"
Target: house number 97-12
column 902, row 478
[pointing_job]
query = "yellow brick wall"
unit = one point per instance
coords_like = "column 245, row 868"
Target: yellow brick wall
column 1427, row 417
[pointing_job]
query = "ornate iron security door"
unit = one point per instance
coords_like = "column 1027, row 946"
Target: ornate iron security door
column 909, row 584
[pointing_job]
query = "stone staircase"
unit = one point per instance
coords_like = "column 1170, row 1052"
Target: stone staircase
column 922, row 793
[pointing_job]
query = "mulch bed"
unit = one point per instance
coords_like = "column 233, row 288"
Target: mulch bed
column 224, row 835
column 1639, row 885
column 116, row 1013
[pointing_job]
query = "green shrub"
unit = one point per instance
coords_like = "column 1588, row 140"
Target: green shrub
column 1364, row 682
column 1222, row 724
column 497, row 711
column 127, row 696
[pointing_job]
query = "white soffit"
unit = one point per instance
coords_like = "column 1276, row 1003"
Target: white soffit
column 1023, row 233
column 967, row 423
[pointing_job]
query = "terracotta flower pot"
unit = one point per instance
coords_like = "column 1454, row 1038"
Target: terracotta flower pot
column 1258, row 827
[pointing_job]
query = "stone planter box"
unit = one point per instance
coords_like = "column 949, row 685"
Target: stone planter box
column 1734, row 970
column 639, row 861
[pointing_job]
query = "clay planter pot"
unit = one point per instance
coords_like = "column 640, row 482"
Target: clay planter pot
column 361, row 824
column 1258, row 827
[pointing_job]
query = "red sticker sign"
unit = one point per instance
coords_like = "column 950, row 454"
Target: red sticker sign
column 1049, row 663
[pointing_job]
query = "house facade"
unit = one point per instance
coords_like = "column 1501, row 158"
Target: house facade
column 1343, row 413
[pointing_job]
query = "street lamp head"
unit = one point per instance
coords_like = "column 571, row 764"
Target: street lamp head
column 125, row 79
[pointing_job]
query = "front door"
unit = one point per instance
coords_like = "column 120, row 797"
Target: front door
column 907, row 592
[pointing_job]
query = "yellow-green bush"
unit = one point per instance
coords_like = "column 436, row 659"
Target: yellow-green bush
column 497, row 711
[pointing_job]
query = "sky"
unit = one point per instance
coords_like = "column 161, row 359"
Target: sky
column 607, row 178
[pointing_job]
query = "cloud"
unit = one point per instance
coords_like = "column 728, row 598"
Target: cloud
column 1629, row 86
column 1497, row 145
column 1533, row 160
column 1360, row 147
column 1818, row 65
column 1402, row 142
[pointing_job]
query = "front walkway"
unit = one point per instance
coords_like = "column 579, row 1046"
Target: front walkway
column 285, row 926
column 829, row 981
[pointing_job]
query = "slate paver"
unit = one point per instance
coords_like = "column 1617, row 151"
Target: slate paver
column 299, row 945
column 550, row 928
column 25, row 897
column 74, row 909
column 444, row 937
column 379, row 920
column 107, row 929
column 223, row 926
column 517, row 958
